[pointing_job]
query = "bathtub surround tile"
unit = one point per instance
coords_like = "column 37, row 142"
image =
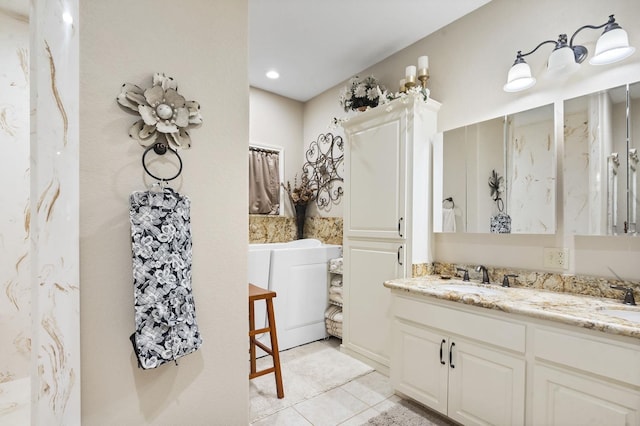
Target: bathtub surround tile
column 271, row 229
column 326, row 229
column 281, row 229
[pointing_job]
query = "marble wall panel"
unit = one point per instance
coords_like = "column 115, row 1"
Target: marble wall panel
column 54, row 250
column 15, row 290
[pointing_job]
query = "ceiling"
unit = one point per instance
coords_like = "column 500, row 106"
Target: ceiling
column 316, row 44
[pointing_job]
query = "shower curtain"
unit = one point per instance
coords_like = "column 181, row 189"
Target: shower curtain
column 165, row 317
column 264, row 181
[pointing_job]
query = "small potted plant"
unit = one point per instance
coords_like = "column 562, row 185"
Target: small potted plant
column 300, row 197
column 361, row 93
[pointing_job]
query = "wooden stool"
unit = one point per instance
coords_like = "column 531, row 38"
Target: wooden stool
column 258, row 293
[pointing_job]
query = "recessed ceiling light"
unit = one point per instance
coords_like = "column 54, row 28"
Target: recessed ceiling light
column 273, row 74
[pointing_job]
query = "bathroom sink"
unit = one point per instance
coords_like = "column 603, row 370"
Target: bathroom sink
column 473, row 289
column 629, row 314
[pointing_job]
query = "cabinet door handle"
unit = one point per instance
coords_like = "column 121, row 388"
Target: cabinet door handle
column 451, row 355
column 399, row 261
column 399, row 227
column 441, row 344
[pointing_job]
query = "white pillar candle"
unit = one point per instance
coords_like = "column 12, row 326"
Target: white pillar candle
column 410, row 71
column 403, row 88
column 423, row 62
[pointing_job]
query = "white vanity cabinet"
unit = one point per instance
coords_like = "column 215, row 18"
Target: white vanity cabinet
column 584, row 379
column 469, row 367
column 386, row 215
column 483, row 366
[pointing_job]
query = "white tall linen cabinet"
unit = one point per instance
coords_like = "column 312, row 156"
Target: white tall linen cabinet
column 387, row 216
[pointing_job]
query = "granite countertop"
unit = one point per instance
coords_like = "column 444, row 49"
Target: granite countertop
column 571, row 309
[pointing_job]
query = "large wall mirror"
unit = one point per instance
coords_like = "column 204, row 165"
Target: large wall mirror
column 497, row 176
column 601, row 162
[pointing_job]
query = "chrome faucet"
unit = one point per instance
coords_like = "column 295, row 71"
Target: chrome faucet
column 465, row 277
column 628, row 294
column 485, row 273
column 505, row 280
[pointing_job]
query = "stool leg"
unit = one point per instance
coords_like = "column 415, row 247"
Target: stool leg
column 274, row 348
column 252, row 344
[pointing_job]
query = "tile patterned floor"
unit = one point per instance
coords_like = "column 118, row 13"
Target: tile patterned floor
column 350, row 404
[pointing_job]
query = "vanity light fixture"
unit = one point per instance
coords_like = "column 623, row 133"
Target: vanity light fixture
column 612, row 46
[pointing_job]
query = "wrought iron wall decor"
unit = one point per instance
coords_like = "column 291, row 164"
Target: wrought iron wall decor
column 324, row 164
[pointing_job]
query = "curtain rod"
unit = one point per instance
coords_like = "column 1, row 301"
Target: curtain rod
column 267, row 151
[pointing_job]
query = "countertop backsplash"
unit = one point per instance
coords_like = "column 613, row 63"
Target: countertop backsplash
column 562, row 283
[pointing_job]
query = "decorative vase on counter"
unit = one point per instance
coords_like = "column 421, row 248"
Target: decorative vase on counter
column 301, row 214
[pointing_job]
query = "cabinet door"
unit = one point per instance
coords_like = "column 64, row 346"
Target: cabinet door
column 485, row 386
column 367, row 304
column 375, row 174
column 563, row 398
column 419, row 364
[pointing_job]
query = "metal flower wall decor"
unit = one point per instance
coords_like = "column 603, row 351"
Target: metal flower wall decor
column 163, row 112
column 496, row 185
column 325, row 158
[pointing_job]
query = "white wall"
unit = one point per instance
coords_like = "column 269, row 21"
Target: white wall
column 203, row 45
column 15, row 320
column 469, row 60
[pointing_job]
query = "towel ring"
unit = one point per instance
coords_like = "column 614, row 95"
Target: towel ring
column 161, row 149
column 448, row 200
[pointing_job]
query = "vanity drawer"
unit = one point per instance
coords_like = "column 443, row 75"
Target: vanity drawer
column 502, row 333
column 608, row 358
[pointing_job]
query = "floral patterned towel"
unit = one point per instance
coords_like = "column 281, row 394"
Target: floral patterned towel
column 165, row 315
column 501, row 224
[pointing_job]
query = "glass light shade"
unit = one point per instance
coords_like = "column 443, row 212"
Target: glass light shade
column 562, row 61
column 612, row 46
column 519, row 78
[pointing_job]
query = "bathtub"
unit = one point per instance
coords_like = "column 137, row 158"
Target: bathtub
column 297, row 272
